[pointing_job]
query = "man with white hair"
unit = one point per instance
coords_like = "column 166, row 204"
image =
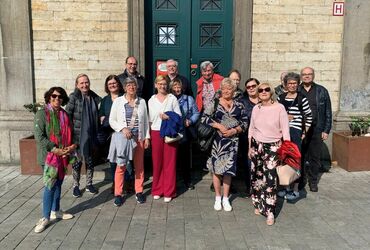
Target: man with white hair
column 173, row 72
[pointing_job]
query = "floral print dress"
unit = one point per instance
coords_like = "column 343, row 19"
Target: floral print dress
column 223, row 157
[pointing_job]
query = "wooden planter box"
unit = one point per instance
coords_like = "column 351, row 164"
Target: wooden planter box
column 28, row 156
column 351, row 152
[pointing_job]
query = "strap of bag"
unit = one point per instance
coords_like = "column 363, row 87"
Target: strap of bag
column 134, row 114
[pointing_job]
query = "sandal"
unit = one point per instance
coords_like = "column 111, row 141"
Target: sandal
column 270, row 220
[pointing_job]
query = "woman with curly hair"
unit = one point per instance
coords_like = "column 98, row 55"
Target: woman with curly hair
column 53, row 134
column 229, row 119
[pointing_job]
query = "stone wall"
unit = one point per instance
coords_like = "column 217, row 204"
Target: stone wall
column 291, row 34
column 79, row 36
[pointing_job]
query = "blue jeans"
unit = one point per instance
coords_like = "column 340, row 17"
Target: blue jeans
column 51, row 199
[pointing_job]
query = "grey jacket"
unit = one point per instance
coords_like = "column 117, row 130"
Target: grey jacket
column 74, row 109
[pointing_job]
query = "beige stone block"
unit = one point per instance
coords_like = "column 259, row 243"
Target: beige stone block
column 50, row 64
column 51, row 45
column 103, row 65
column 330, row 75
column 43, row 15
column 259, row 56
column 325, row 37
column 114, row 7
column 317, row 10
column 304, row 47
column 45, row 54
column 308, row 19
column 319, row 28
column 261, row 65
column 42, row 35
column 118, row 16
column 113, row 26
column 77, row 64
column 57, row 6
column 319, row 65
column 270, row 18
column 275, row 56
column 291, row 2
column 336, row 19
column 38, row 5
column 290, row 66
column 277, row 27
column 81, row 15
column 260, row 9
column 330, row 46
column 95, row 46
column 78, row 55
column 41, row 74
column 277, row 37
column 267, row 2
column 117, row 55
column 83, row 5
column 288, row 10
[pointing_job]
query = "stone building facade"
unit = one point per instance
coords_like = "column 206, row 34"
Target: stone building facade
column 48, row 42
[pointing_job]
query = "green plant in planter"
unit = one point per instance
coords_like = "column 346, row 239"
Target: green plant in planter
column 359, row 125
column 33, row 107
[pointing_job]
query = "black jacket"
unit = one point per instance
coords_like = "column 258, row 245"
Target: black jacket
column 324, row 113
column 74, row 109
column 186, row 86
column 144, row 91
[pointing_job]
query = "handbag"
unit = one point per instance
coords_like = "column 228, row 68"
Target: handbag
column 207, row 133
column 287, row 175
column 168, row 139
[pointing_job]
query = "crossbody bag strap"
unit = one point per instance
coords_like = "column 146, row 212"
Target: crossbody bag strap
column 134, row 114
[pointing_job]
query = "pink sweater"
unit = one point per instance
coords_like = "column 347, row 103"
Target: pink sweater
column 269, row 123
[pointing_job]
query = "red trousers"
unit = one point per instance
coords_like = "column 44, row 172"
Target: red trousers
column 119, row 176
column 164, row 166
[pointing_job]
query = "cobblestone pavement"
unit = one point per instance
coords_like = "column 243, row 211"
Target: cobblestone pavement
column 337, row 217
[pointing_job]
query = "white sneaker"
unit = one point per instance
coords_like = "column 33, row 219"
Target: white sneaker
column 41, row 225
column 217, row 205
column 156, row 197
column 60, row 215
column 167, row 199
column 227, row 206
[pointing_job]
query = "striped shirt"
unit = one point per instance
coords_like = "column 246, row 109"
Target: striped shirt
column 292, row 108
column 129, row 111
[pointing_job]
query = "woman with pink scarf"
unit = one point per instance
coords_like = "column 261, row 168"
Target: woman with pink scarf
column 53, row 136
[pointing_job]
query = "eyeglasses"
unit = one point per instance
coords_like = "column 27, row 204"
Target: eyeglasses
column 307, row 74
column 292, row 83
column 56, row 96
column 251, row 86
column 268, row 89
column 133, row 64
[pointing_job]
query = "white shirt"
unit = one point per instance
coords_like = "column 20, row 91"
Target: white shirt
column 117, row 117
column 156, row 108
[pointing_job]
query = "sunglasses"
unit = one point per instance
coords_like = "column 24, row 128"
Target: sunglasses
column 56, row 96
column 268, row 89
column 251, row 86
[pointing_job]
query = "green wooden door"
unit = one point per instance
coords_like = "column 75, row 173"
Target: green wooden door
column 189, row 31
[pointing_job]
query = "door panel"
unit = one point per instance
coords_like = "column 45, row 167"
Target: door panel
column 189, row 31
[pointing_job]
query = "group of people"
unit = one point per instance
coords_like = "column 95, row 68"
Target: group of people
column 250, row 127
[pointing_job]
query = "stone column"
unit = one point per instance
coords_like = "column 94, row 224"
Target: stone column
column 16, row 78
column 355, row 78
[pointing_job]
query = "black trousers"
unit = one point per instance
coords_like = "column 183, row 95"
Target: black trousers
column 184, row 161
column 311, row 149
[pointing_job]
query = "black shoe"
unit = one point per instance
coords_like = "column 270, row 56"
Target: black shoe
column 76, row 192
column 140, row 198
column 118, row 201
column 233, row 189
column 91, row 189
column 212, row 188
column 189, row 186
column 313, row 187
